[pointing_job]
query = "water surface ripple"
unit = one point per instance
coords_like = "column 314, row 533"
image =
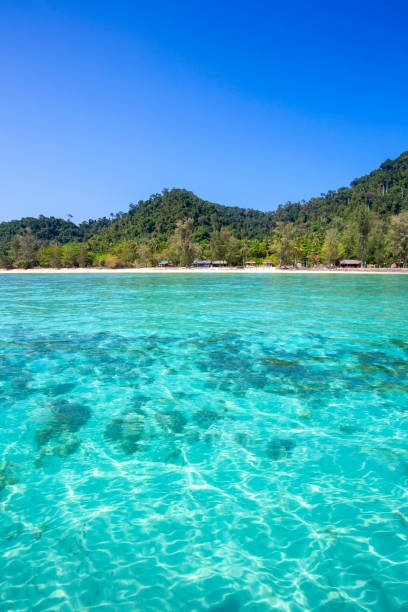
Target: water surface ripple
column 211, row 444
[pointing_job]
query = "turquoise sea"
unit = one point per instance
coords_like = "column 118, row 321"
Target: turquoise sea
column 209, row 443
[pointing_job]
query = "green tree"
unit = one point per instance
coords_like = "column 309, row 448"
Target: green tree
column 24, row 249
column 83, row 256
column 50, row 256
column 257, row 249
column 332, row 250
column 361, row 213
column 14, row 249
column 224, row 246
column 363, row 219
column 69, row 255
column 182, row 244
column 350, row 239
column 148, row 252
column 128, row 253
column 377, row 244
column 284, row 243
column 312, row 249
column 398, row 236
column 5, row 261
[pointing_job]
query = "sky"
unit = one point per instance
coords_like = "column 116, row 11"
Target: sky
column 253, row 104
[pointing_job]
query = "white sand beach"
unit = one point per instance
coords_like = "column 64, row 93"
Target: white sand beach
column 251, row 270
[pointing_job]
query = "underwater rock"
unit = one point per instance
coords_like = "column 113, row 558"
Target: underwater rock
column 132, row 432
column 279, row 448
column 401, row 344
column 212, row 437
column 65, row 417
column 174, row 456
column 281, row 362
column 192, row 436
column 62, row 447
column 240, row 393
column 171, row 421
column 72, row 543
column 256, row 380
column 113, row 430
column 20, row 382
column 8, row 474
column 166, row 451
column 205, row 417
column 60, row 389
column 242, row 439
column 54, row 438
column 67, row 448
column 138, row 401
column 70, row 416
column 43, row 434
column 134, row 410
column 127, row 433
column 347, row 428
column 181, row 394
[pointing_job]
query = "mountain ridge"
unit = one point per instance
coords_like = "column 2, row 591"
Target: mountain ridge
column 379, row 195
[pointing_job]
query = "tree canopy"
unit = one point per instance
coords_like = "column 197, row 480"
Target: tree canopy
column 366, row 220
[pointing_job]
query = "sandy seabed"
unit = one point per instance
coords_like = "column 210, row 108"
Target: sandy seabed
column 254, row 270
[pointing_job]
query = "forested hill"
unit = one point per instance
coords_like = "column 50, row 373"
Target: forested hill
column 51, row 229
column 384, row 191
column 352, row 221
column 156, row 216
column 159, row 215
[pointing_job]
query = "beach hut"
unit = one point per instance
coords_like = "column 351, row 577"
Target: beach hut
column 269, row 263
column 219, row 263
column 351, row 263
column 250, row 264
column 202, row 263
column 165, row 264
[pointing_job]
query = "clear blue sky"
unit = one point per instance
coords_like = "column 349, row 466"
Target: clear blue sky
column 248, row 103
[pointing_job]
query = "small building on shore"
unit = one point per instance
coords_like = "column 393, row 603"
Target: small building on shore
column 269, row 263
column 350, row 263
column 250, row 264
column 202, row 263
column 166, row 264
column 221, row 263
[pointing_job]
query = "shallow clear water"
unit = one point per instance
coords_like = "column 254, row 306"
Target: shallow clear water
column 216, row 443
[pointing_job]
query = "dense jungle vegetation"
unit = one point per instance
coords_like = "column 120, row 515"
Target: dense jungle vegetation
column 367, row 221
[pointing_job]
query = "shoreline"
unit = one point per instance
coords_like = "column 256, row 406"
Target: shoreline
column 255, row 270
